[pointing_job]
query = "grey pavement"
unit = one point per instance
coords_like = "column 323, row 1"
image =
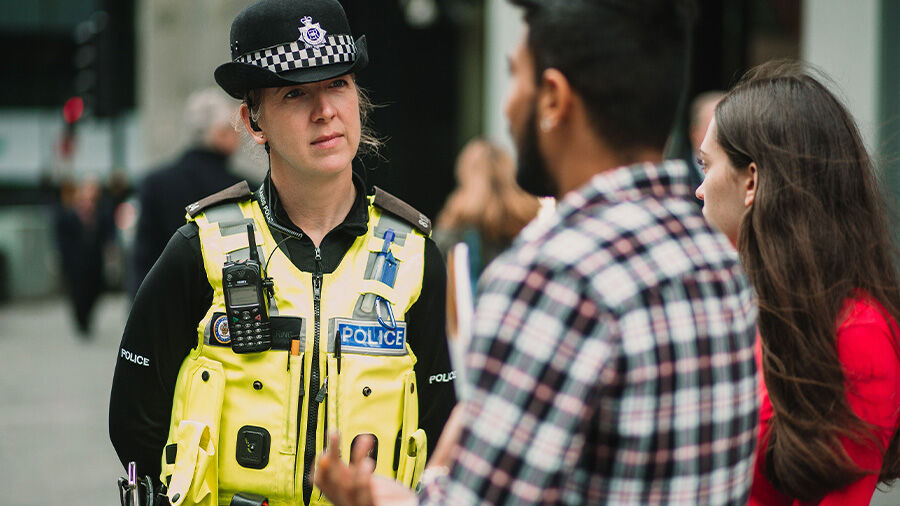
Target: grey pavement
column 54, row 444
column 54, row 448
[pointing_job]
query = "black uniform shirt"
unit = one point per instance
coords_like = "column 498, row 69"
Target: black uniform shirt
column 162, row 329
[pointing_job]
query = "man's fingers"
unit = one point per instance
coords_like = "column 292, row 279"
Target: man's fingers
column 342, row 484
column 361, row 448
column 365, row 469
column 362, row 481
column 329, row 467
column 332, row 453
column 334, row 445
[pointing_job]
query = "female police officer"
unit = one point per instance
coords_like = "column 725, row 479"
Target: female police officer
column 329, row 315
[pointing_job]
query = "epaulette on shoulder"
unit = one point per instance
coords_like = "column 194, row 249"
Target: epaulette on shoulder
column 239, row 191
column 401, row 209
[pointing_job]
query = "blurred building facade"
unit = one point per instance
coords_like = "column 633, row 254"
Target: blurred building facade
column 437, row 67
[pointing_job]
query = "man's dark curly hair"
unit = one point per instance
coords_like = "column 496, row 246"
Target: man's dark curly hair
column 627, row 59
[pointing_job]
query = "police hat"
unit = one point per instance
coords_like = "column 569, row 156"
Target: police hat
column 285, row 42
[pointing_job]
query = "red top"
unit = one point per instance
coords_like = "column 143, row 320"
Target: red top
column 872, row 374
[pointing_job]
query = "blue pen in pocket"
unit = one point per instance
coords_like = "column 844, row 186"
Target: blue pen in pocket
column 385, row 271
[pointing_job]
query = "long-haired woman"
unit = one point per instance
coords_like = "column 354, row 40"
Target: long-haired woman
column 789, row 181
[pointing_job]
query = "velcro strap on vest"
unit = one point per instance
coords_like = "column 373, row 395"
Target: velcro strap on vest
column 233, row 236
column 238, row 227
column 376, row 244
column 284, row 330
column 225, row 213
column 400, row 227
column 233, row 244
column 378, row 288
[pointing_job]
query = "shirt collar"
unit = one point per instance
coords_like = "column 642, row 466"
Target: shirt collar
column 355, row 223
column 632, row 182
column 665, row 180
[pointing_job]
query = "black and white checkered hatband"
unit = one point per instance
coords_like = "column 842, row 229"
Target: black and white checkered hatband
column 298, row 55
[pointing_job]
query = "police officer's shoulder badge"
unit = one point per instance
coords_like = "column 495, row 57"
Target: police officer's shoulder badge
column 221, row 331
column 311, row 33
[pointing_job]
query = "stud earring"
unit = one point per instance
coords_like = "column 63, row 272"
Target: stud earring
column 547, row 124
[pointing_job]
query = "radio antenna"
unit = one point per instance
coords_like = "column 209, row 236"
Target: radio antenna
column 251, row 242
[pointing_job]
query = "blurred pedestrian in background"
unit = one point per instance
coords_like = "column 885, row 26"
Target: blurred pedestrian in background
column 200, row 171
column 83, row 225
column 789, row 181
column 701, row 112
column 703, row 107
column 487, row 209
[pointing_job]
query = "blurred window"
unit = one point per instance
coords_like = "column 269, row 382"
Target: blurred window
column 39, row 65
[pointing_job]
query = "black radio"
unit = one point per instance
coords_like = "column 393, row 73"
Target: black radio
column 246, row 301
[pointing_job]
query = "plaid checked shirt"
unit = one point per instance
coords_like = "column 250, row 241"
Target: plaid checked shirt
column 612, row 357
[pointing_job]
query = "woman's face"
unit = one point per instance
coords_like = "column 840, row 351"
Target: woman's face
column 726, row 192
column 312, row 128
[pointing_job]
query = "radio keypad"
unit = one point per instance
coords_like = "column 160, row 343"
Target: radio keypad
column 249, row 335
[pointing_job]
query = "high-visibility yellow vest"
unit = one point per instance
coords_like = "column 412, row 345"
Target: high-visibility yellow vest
column 240, row 422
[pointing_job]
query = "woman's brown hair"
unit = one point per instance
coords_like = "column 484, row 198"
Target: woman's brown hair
column 815, row 235
column 487, row 196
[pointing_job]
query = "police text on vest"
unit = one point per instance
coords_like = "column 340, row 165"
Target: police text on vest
column 137, row 359
column 372, row 338
column 445, row 377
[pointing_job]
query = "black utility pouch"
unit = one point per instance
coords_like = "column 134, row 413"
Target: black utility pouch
column 245, row 499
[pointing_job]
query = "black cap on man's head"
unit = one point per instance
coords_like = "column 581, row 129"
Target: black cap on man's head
column 284, row 42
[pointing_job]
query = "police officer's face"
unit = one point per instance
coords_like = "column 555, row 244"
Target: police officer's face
column 312, row 128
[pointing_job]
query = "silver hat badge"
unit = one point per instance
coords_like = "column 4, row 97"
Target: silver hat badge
column 311, row 33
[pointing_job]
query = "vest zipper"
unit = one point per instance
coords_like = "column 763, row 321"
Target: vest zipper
column 323, row 398
column 300, row 394
column 323, row 392
column 312, row 420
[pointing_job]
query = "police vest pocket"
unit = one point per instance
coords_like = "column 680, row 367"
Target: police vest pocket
column 413, row 448
column 367, row 397
column 192, row 475
column 195, row 476
column 413, row 459
column 258, row 430
column 293, row 405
